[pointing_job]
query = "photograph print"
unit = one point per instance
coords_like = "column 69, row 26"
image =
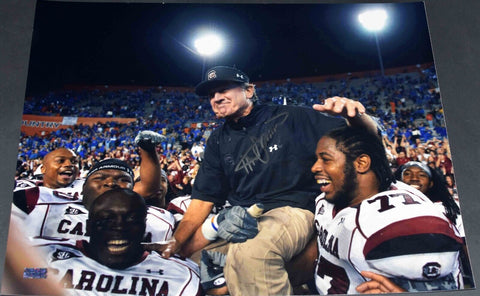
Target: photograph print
column 240, row 149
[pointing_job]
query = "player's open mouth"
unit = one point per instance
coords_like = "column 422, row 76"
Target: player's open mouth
column 323, row 183
column 66, row 173
column 416, row 186
column 117, row 246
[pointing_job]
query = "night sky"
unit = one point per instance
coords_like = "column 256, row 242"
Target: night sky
column 152, row 43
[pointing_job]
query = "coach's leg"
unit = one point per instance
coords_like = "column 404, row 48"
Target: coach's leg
column 257, row 266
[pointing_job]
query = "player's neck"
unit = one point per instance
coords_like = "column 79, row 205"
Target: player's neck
column 367, row 187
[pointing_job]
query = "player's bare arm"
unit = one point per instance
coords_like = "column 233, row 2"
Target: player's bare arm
column 353, row 111
column 192, row 221
column 302, row 267
column 150, row 171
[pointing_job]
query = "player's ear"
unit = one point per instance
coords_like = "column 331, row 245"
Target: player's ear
column 42, row 169
column 362, row 163
column 430, row 184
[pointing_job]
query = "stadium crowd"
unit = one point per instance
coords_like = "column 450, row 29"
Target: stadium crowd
column 407, row 104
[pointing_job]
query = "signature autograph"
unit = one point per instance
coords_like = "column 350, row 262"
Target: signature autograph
column 254, row 153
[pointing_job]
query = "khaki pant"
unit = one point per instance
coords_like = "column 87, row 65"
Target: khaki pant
column 257, row 267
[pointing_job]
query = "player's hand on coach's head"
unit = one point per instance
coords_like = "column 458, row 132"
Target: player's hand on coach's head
column 236, row 224
column 148, row 140
column 341, row 106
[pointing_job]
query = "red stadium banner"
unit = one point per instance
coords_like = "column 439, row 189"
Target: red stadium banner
column 43, row 125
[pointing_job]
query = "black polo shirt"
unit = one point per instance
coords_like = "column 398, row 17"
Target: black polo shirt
column 265, row 157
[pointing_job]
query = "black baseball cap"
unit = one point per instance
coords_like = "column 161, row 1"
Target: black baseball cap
column 218, row 76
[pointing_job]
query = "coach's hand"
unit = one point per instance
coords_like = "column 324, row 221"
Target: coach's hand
column 236, row 224
column 211, row 270
column 148, row 140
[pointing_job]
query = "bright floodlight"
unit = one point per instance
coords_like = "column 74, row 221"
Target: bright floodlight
column 208, row 45
column 373, row 20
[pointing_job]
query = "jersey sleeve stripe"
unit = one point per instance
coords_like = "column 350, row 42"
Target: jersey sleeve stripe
column 414, row 244
column 408, row 228
column 174, row 209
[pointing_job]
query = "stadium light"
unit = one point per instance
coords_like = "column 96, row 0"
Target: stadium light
column 208, row 45
column 374, row 21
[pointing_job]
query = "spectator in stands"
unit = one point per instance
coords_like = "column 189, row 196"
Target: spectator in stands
column 444, row 163
column 412, row 154
column 90, row 103
column 401, row 158
column 452, row 187
column 421, row 154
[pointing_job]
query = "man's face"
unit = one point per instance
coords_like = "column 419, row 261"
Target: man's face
column 337, row 179
column 230, row 101
column 60, row 168
column 417, row 178
column 102, row 181
column 117, row 226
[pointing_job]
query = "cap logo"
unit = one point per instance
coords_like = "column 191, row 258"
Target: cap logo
column 239, row 76
column 211, row 75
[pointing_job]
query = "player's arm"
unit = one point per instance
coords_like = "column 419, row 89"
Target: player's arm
column 353, row 111
column 302, row 267
column 195, row 243
column 150, row 171
column 183, row 238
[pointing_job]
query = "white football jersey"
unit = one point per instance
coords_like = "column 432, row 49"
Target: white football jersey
column 397, row 233
column 53, row 214
column 74, row 189
column 458, row 221
column 178, row 206
column 153, row 275
column 21, row 184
